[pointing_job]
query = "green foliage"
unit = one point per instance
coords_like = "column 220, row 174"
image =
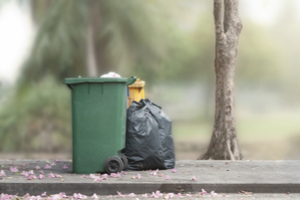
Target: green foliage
column 39, row 120
column 131, row 37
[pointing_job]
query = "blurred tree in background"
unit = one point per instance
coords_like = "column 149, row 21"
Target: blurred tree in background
column 161, row 41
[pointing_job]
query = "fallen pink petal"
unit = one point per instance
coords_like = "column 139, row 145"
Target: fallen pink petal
column 44, row 194
column 131, row 195
column 31, row 172
column 123, row 173
column 169, row 195
column 167, row 177
column 25, row 173
column 120, row 194
column 97, row 179
column 65, row 167
column 203, row 192
column 92, row 175
column 57, row 161
column 104, row 176
column 83, row 176
column 63, row 195
column 145, row 195
column 37, row 167
column 95, row 196
column 51, row 175
column 41, row 176
column 174, row 170
column 193, row 178
column 2, row 173
column 213, row 194
column 31, row 177
column 23, row 165
column 154, row 173
column 160, row 175
column 53, row 164
column 47, row 166
column 58, row 176
column 178, row 195
column 41, row 172
column 138, row 176
column 188, row 195
column 13, row 169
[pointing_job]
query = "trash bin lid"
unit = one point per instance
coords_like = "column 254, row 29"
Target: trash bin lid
column 128, row 81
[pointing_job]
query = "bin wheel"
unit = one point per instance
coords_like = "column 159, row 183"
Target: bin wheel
column 125, row 160
column 113, row 164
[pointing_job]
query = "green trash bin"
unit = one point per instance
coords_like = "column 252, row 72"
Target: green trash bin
column 99, row 123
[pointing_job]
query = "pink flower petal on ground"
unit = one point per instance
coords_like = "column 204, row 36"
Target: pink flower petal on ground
column 58, row 176
column 145, row 195
column 47, row 166
column 27, row 195
column 53, row 164
column 178, row 195
column 154, row 173
column 79, row 196
column 51, row 175
column 13, row 169
column 203, row 192
column 31, row 177
column 57, row 161
column 114, row 175
column 188, row 195
column 31, row 172
column 37, row 167
column 95, row 196
column 65, row 167
column 83, row 176
column 167, row 177
column 104, row 176
column 131, row 195
column 138, row 176
column 123, row 173
column 25, row 173
column 41, row 176
column 174, row 170
column 157, row 194
column 120, row 194
column 97, row 179
column 41, row 172
column 213, row 194
column 169, row 195
column 44, row 194
column 23, row 165
column 193, row 178
column 63, row 195
column 137, row 199
column 160, row 175
column 2, row 173
column 92, row 175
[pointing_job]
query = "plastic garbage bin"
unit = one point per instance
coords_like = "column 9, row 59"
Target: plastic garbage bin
column 98, row 123
column 136, row 92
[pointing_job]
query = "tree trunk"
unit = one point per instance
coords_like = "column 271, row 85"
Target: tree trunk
column 224, row 143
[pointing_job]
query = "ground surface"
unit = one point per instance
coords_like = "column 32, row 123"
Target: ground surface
column 249, row 178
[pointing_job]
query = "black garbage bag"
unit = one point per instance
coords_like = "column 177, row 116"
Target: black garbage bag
column 149, row 141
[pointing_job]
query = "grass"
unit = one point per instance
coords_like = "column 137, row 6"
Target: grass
column 250, row 128
column 261, row 137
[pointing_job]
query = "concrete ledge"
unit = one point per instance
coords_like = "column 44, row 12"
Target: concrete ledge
column 220, row 176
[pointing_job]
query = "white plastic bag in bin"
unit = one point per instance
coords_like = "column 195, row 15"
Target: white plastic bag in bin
column 110, row 75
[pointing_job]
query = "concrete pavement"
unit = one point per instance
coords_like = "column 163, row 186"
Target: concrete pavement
column 219, row 176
